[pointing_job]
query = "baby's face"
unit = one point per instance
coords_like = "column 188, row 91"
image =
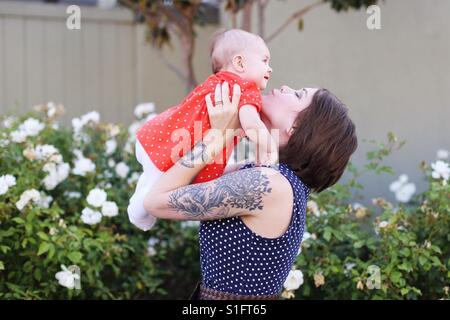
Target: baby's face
column 256, row 64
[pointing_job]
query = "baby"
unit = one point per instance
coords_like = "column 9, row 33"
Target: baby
column 238, row 57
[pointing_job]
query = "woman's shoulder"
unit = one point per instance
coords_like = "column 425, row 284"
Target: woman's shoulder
column 278, row 186
column 274, row 219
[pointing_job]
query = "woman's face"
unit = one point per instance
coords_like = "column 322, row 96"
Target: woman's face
column 281, row 107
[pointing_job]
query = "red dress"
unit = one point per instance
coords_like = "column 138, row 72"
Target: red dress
column 155, row 135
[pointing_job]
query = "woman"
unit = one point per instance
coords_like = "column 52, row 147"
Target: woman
column 253, row 219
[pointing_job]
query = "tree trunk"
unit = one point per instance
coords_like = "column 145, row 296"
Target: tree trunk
column 247, row 16
column 261, row 5
column 188, row 46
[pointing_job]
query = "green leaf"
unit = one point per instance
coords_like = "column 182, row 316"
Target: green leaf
column 405, row 266
column 51, row 251
column 392, row 137
column 327, row 234
column 404, row 291
column 358, row 244
column 2, row 266
column 43, row 236
column 396, row 276
column 29, row 228
column 301, row 24
column 422, row 260
column 5, row 249
column 405, row 252
column 38, row 274
column 75, row 256
column 436, row 261
column 43, row 248
column 18, row 220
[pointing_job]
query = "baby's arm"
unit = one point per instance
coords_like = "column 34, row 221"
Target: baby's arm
column 257, row 132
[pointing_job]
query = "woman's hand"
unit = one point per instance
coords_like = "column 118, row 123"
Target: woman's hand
column 223, row 113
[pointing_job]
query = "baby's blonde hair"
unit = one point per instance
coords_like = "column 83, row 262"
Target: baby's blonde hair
column 226, row 43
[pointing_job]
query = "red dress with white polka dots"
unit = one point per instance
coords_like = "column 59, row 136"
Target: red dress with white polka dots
column 163, row 140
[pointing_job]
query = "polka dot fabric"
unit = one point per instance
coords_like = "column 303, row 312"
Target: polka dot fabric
column 191, row 114
column 236, row 260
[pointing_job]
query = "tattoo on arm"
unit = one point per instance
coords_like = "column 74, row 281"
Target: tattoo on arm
column 193, row 156
column 243, row 189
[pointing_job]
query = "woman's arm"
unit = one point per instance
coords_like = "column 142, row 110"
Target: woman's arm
column 224, row 122
column 239, row 193
column 244, row 192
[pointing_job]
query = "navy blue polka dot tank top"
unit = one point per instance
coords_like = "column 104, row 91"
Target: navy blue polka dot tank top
column 234, row 259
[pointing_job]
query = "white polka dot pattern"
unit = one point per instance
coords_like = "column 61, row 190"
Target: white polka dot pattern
column 155, row 135
column 234, row 259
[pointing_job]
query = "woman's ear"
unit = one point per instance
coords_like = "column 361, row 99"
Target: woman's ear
column 290, row 131
column 238, row 63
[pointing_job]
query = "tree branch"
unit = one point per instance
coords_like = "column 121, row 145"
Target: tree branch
column 295, row 16
column 246, row 23
column 262, row 4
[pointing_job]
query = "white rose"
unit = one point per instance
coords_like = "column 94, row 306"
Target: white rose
column 77, row 124
column 8, row 122
column 133, row 128
column 144, row 108
column 134, row 177
column 96, row 197
column 442, row 154
column 72, row 194
column 294, row 280
column 350, row 266
column 3, row 188
column 441, row 169
column 128, row 147
column 4, row 143
column 92, row 116
column 90, row 216
column 383, row 224
column 18, row 136
column 111, row 163
column 313, row 207
column 26, row 196
column 83, row 166
column 66, row 278
column 111, row 146
column 110, row 209
column 306, row 236
column 31, row 127
column 151, row 251
column 122, row 169
column 45, row 201
column 8, row 180
column 405, row 193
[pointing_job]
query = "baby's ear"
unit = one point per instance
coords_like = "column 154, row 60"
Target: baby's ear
column 238, row 63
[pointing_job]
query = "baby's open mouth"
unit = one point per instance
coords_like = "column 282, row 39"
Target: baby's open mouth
column 266, row 77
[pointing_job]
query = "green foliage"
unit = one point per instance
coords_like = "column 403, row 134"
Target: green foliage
column 113, row 256
column 407, row 244
column 381, row 251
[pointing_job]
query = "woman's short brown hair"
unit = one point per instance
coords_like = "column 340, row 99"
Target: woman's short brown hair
column 323, row 140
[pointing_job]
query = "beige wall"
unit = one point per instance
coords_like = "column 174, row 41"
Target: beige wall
column 393, row 79
column 105, row 66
